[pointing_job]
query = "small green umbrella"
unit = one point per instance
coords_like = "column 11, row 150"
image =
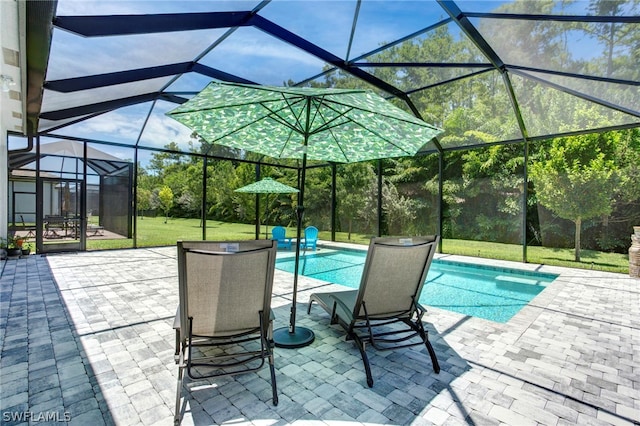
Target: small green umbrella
column 267, row 186
column 338, row 125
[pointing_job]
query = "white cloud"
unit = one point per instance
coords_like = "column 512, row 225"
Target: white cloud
column 267, row 48
column 163, row 130
column 111, row 127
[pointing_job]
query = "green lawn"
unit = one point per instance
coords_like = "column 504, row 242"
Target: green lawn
column 153, row 232
column 612, row 262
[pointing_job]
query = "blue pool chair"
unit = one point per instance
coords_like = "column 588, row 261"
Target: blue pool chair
column 310, row 238
column 394, row 273
column 279, row 234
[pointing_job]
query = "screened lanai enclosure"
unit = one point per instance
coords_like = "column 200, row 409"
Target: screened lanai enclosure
column 77, row 195
column 539, row 103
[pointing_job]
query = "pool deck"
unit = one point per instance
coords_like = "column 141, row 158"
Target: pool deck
column 87, row 337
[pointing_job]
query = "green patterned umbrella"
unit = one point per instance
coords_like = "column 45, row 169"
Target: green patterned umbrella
column 339, row 125
column 267, row 186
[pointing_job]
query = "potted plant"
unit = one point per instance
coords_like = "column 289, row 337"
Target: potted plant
column 3, row 248
column 14, row 246
column 26, row 249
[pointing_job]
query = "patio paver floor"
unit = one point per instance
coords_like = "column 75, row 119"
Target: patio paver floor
column 87, row 339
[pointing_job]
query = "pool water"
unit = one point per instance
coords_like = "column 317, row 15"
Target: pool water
column 492, row 293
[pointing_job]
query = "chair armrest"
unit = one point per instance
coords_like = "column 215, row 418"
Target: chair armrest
column 177, row 356
column 343, row 306
column 176, row 320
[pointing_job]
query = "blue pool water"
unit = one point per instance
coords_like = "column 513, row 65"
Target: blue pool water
column 492, row 293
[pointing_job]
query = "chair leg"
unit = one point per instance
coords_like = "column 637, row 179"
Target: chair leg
column 432, row 354
column 424, row 335
column 365, row 358
column 177, row 418
column 274, row 388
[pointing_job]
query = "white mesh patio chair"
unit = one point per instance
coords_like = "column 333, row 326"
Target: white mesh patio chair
column 224, row 320
column 384, row 311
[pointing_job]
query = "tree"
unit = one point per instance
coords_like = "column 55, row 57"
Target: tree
column 160, row 161
column 143, row 201
column 626, row 204
column 354, row 185
column 615, row 36
column 400, row 210
column 577, row 179
column 165, row 196
column 185, row 182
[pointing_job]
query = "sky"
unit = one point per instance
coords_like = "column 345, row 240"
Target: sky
column 248, row 53
column 256, row 56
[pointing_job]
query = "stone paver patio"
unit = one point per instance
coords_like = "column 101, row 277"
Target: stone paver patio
column 87, row 339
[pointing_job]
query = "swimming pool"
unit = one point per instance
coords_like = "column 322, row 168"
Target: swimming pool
column 492, row 293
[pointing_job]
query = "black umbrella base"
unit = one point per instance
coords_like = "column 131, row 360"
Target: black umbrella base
column 301, row 337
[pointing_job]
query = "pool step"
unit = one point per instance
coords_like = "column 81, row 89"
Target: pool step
column 519, row 284
column 518, row 280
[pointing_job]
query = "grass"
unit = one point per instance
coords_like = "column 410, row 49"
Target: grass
column 153, row 232
column 589, row 259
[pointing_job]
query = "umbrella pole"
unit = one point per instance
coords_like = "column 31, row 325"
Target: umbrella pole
column 292, row 336
column 266, row 218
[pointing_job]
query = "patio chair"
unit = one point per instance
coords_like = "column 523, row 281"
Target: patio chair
column 31, row 230
column 279, row 234
column 54, row 225
column 310, row 238
column 224, row 320
column 384, row 311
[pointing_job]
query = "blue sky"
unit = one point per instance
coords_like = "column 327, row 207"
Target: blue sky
column 256, row 56
column 248, row 53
